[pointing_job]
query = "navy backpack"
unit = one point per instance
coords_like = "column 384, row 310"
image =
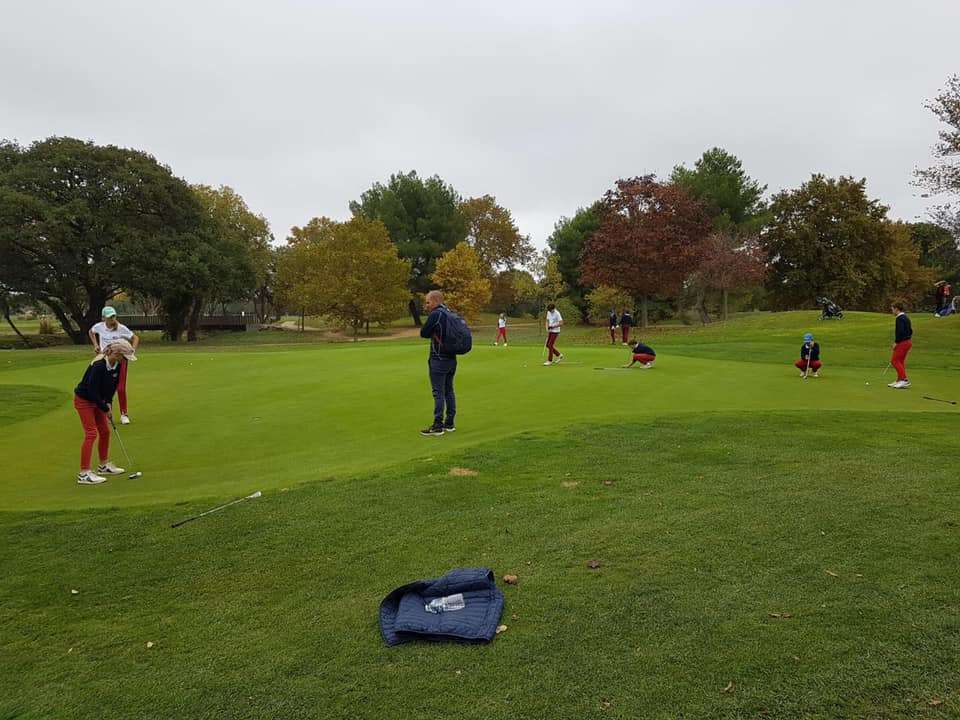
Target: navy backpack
column 458, row 339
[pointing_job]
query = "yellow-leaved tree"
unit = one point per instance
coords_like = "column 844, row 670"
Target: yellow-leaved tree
column 463, row 278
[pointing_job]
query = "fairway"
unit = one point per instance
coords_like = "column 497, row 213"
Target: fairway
column 767, row 546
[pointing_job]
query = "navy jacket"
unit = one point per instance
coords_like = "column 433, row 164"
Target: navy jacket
column 435, row 328
column 903, row 330
column 813, row 352
column 641, row 349
column 613, row 319
column 626, row 320
column 99, row 383
column 404, row 617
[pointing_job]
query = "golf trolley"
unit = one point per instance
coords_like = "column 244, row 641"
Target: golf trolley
column 829, row 310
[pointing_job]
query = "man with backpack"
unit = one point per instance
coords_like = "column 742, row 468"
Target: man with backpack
column 449, row 336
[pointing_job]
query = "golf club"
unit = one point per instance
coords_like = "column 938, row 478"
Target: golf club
column 218, row 507
column 613, row 368
column 809, row 355
column 889, row 365
column 133, row 475
column 948, row 402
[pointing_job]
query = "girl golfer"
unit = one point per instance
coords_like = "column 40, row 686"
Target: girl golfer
column 902, row 342
column 809, row 357
column 92, row 399
column 554, row 323
column 643, row 354
column 501, row 330
column 101, row 335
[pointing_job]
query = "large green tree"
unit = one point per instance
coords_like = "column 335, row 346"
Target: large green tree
column 828, row 238
column 493, row 234
column 938, row 248
column 943, row 178
column 732, row 198
column 423, row 218
column 569, row 237
column 79, row 222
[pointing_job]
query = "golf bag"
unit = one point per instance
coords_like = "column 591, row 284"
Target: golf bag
column 948, row 309
column 829, row 310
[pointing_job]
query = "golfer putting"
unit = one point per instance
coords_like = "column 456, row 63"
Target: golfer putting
column 643, row 354
column 104, row 333
column 92, row 399
column 809, row 357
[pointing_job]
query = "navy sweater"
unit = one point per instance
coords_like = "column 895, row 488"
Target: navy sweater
column 641, row 349
column 813, row 351
column 99, row 383
column 626, row 320
column 904, row 330
column 435, row 328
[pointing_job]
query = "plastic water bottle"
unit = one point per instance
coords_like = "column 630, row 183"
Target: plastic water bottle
column 446, row 604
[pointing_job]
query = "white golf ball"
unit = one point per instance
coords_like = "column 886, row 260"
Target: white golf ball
column 866, row 383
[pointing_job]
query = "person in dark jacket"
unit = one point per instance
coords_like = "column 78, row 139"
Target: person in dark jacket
column 902, row 342
column 442, row 367
column 614, row 324
column 809, row 357
column 626, row 322
column 92, row 399
column 643, row 354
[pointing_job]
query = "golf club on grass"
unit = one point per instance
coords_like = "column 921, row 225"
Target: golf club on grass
column 133, row 475
column 949, row 402
column 251, row 496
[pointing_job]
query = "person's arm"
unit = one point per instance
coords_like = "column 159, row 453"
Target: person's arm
column 135, row 341
column 98, row 379
column 431, row 325
column 95, row 341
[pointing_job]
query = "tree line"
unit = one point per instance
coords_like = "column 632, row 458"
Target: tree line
column 82, row 223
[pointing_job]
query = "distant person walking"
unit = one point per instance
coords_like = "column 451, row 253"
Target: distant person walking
column 553, row 323
column 626, row 322
column 614, row 325
column 442, row 366
column 104, row 333
column 92, row 399
column 809, row 357
column 903, row 341
column 501, row 330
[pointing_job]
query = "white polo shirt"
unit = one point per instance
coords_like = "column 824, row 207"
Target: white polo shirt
column 553, row 320
column 107, row 335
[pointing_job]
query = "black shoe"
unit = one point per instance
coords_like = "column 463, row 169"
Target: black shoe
column 432, row 431
column 449, row 428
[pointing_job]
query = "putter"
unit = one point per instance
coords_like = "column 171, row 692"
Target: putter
column 889, row 365
column 252, row 496
column 809, row 355
column 948, row 402
column 133, row 475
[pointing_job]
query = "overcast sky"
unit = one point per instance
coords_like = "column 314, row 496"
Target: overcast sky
column 300, row 106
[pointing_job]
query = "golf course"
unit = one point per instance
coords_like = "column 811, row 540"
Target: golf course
column 759, row 545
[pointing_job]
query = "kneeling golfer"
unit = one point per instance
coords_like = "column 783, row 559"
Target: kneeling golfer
column 809, row 357
column 92, row 399
column 643, row 354
column 442, row 366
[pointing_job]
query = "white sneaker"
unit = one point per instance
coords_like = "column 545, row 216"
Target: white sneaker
column 894, row 384
column 108, row 468
column 548, row 363
column 124, row 419
column 903, row 385
column 646, row 366
column 817, row 374
column 559, row 358
column 89, row 478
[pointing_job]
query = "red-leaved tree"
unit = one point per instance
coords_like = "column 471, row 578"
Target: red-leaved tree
column 729, row 262
column 648, row 242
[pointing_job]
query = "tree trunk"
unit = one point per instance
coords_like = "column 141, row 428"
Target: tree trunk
column 6, row 314
column 368, row 327
column 78, row 337
column 644, row 317
column 303, row 313
column 414, row 309
column 194, row 322
column 725, row 304
column 702, row 309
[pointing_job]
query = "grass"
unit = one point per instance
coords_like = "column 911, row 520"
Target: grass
column 716, row 490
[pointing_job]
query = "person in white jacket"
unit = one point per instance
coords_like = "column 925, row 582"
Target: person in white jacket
column 104, row 333
column 554, row 323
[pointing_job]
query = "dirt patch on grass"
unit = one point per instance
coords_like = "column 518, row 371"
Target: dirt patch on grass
column 463, row 472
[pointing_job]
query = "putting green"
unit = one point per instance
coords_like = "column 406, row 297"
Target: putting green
column 226, row 422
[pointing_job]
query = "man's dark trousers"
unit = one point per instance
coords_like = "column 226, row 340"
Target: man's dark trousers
column 442, row 371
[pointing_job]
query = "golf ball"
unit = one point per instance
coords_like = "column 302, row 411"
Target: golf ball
column 866, row 383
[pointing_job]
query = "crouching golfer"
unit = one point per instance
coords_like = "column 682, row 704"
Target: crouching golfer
column 902, row 342
column 442, row 367
column 104, row 333
column 809, row 357
column 92, row 399
column 643, row 354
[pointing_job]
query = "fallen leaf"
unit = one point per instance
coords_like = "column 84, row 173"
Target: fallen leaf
column 463, row 472
column 774, row 615
column 605, row 704
column 510, row 579
column 459, row 672
column 514, row 617
column 593, row 564
column 501, row 628
column 935, row 702
column 831, row 573
column 149, row 644
column 284, row 489
column 570, row 483
column 74, row 592
column 730, row 687
column 608, row 483
column 858, row 575
column 787, row 616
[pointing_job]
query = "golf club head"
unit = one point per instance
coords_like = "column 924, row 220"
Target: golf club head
column 135, row 475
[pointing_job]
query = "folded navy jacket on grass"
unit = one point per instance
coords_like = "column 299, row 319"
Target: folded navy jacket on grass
column 463, row 606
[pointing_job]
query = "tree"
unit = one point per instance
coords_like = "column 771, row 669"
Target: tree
column 79, row 222
column 460, row 274
column 349, row 271
column 10, row 303
column 827, row 238
column 732, row 198
column 423, row 219
column 938, row 248
column 728, row 262
column 944, row 177
column 604, row 298
column 569, row 237
column 492, row 232
column 648, row 240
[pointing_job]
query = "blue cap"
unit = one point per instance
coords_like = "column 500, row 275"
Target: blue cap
column 808, row 337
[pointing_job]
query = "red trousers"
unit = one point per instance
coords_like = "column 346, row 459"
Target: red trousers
column 625, row 329
column 501, row 333
column 801, row 364
column 552, row 350
column 94, row 421
column 644, row 358
column 122, row 386
column 899, row 358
